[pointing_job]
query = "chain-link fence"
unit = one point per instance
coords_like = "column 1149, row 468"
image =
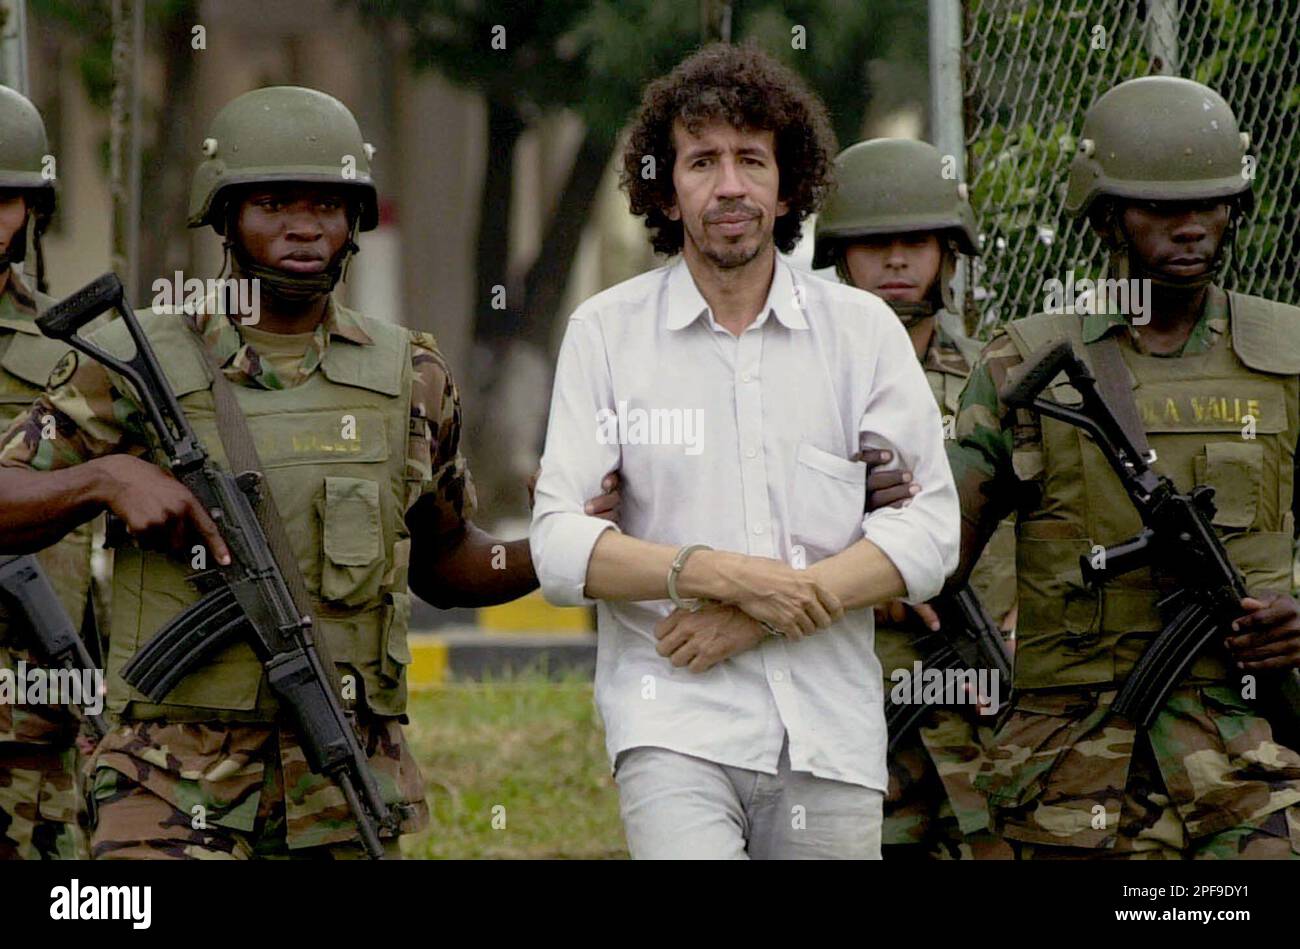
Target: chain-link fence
column 1031, row 68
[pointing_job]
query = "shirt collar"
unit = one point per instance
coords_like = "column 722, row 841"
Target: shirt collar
column 1209, row 326
column 785, row 298
column 239, row 359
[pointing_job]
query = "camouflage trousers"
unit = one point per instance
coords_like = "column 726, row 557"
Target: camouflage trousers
column 1068, row 780
column 38, row 803
column 932, row 811
column 212, row 791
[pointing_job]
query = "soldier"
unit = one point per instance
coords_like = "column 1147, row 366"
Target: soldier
column 894, row 227
column 357, row 422
column 1161, row 174
column 38, row 754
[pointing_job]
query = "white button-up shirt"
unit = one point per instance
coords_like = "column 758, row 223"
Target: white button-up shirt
column 742, row 443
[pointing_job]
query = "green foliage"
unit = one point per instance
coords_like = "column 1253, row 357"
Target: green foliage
column 1035, row 68
column 91, row 21
column 595, row 56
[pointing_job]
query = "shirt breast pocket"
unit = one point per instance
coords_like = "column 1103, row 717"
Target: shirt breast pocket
column 829, row 494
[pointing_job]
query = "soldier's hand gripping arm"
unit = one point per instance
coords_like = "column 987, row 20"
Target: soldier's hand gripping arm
column 980, row 458
column 981, row 455
column 454, row 562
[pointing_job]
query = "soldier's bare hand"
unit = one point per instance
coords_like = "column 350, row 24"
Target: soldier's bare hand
column 607, row 505
column 532, row 488
column 898, row 613
column 702, row 639
column 1268, row 635
column 890, row 488
column 157, row 510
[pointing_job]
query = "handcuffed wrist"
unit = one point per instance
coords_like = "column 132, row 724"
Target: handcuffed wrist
column 678, row 564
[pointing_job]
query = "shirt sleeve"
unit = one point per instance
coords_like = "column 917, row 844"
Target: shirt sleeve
column 922, row 539
column 574, row 462
column 436, row 471
column 81, row 415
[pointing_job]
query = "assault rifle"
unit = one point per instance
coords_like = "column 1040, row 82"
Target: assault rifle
column 249, row 597
column 24, row 587
column 1177, row 534
column 968, row 640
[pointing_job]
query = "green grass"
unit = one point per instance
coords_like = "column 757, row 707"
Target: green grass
column 536, row 748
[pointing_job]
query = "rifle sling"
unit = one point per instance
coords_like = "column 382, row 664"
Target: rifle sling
column 241, row 455
column 1115, row 383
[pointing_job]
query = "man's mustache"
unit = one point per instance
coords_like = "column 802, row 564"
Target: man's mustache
column 712, row 217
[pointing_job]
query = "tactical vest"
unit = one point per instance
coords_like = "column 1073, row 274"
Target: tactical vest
column 1194, row 409
column 334, row 451
column 26, row 359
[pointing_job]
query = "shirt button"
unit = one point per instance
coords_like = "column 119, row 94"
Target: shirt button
column 778, row 676
column 758, row 528
column 750, row 453
column 746, row 377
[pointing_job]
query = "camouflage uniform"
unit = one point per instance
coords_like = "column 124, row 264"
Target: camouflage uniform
column 1208, row 779
column 250, row 780
column 218, row 772
column 1067, row 779
column 931, row 809
column 38, row 755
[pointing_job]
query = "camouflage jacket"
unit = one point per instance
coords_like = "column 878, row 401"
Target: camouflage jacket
column 210, row 765
column 66, row 564
column 1060, row 760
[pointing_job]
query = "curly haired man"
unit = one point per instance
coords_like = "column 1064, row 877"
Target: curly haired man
column 735, row 673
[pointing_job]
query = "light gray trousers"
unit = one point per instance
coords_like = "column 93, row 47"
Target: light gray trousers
column 678, row 807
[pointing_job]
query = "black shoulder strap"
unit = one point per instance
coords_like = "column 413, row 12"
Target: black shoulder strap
column 242, row 456
column 1115, row 383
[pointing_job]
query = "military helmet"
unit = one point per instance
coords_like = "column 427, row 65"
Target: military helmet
column 1159, row 138
column 282, row 134
column 23, row 149
column 891, row 186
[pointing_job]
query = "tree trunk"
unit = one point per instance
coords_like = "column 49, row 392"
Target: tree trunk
column 492, row 254
column 547, row 277
column 166, row 171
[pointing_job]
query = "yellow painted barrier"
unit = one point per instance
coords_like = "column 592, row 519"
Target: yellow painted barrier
column 532, row 614
column 428, row 661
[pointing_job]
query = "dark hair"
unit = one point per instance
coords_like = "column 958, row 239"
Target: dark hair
column 748, row 89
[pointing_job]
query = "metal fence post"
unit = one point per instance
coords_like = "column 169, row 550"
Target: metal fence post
column 947, row 129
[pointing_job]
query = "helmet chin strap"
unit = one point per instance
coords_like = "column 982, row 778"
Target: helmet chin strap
column 16, row 252
column 909, row 314
column 294, row 289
